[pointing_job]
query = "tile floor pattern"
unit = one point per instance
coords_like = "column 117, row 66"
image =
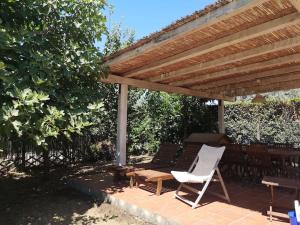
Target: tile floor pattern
column 248, row 207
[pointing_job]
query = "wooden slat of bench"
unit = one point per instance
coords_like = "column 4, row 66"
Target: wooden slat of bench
column 281, row 182
column 153, row 175
column 165, row 177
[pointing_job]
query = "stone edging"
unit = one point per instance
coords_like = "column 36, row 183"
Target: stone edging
column 124, row 205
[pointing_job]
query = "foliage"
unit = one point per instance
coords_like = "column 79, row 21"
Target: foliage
column 49, row 67
column 49, row 71
column 296, row 104
column 158, row 117
column 117, row 39
column 272, row 121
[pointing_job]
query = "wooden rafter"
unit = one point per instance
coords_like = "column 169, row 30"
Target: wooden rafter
column 161, row 87
column 247, row 77
column 241, row 69
column 277, row 46
column 219, row 44
column 259, row 82
column 222, row 13
column 281, row 86
column 296, row 4
column 231, row 48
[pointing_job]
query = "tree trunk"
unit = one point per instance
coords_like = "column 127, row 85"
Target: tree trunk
column 23, row 158
column 46, row 165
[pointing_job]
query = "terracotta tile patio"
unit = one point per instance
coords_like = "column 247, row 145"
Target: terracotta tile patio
column 248, row 207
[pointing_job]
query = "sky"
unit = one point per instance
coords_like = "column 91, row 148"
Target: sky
column 148, row 16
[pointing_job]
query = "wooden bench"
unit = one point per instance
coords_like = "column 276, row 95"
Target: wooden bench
column 150, row 176
column 280, row 182
column 159, row 175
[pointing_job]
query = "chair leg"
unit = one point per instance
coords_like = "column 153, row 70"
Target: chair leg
column 201, row 194
column 223, row 185
column 178, row 189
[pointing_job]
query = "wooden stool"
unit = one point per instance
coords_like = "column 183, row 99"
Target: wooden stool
column 280, row 182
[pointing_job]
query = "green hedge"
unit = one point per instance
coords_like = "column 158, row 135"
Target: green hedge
column 269, row 122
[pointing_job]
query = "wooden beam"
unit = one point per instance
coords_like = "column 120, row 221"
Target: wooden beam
column 122, row 125
column 282, row 86
column 296, row 4
column 259, row 82
column 241, row 69
column 221, row 43
column 161, row 87
column 229, row 10
column 247, row 77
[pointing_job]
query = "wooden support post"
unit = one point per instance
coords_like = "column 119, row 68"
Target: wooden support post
column 221, row 117
column 122, row 124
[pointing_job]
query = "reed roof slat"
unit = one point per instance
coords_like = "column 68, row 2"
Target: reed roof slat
column 223, row 43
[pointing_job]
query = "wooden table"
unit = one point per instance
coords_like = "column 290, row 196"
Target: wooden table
column 280, row 182
column 150, row 176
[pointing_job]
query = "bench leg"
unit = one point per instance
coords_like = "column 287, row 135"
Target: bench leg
column 271, row 202
column 131, row 181
column 159, row 187
column 137, row 182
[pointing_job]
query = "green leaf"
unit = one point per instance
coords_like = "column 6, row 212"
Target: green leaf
column 17, row 124
column 2, row 65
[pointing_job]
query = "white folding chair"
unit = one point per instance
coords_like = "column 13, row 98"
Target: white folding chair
column 297, row 210
column 202, row 171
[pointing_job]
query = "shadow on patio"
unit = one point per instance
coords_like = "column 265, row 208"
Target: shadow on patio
column 249, row 202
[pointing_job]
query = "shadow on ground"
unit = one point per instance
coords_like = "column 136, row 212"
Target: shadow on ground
column 40, row 199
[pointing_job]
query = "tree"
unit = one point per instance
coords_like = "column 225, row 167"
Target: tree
column 118, row 39
column 49, row 67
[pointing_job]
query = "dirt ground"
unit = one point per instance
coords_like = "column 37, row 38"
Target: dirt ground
column 37, row 199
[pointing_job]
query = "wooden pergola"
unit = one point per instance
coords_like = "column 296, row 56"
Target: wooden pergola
column 232, row 48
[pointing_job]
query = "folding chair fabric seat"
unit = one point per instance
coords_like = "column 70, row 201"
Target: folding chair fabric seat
column 185, row 177
column 202, row 171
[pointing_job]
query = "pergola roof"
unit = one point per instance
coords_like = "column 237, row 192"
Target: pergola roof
column 229, row 49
